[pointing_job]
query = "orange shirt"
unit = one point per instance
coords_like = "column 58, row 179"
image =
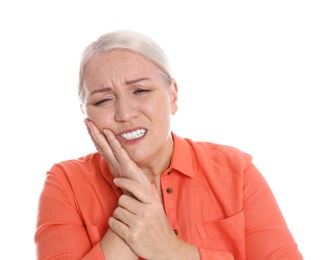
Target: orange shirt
column 214, row 198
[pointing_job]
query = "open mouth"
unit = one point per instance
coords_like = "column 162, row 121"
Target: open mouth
column 134, row 134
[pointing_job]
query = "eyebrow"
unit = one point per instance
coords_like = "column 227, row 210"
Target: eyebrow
column 133, row 81
column 127, row 82
column 100, row 90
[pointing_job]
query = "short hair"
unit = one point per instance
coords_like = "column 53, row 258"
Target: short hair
column 125, row 40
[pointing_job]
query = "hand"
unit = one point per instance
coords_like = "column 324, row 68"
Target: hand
column 142, row 222
column 120, row 163
column 140, row 219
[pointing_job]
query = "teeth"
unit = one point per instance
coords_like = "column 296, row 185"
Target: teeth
column 135, row 134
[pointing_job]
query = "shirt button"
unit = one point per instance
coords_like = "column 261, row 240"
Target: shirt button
column 169, row 190
column 170, row 172
column 176, row 232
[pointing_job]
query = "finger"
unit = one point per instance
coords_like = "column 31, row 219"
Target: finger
column 90, row 134
column 118, row 150
column 101, row 143
column 118, row 227
column 125, row 215
column 109, row 146
column 97, row 136
column 139, row 191
column 130, row 203
column 130, row 168
column 115, row 154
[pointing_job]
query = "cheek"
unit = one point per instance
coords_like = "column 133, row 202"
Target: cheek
column 158, row 111
column 155, row 108
column 101, row 118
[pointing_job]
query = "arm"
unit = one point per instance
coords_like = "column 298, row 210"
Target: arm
column 267, row 234
column 255, row 230
column 114, row 247
column 139, row 219
column 61, row 233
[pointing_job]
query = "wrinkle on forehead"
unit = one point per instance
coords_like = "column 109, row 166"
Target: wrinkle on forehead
column 118, row 67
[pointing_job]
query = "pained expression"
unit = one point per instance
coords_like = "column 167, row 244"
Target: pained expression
column 127, row 94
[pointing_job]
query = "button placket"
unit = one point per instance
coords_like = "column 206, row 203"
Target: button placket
column 169, row 190
column 170, row 198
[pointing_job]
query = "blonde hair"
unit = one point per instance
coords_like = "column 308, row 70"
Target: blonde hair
column 125, row 40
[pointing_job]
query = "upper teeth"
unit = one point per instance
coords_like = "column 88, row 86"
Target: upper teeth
column 135, row 134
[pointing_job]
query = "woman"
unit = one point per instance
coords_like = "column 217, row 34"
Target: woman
column 148, row 193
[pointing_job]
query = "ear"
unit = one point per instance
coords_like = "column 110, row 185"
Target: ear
column 174, row 97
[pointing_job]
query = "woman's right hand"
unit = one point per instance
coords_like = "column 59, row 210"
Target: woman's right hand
column 119, row 161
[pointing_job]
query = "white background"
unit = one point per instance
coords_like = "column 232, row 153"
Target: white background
column 251, row 74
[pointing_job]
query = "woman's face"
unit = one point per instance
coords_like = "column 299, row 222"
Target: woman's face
column 127, row 94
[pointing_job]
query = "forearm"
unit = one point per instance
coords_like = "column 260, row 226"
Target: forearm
column 114, row 247
column 183, row 251
column 189, row 252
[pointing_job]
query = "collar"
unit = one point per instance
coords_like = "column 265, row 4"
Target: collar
column 181, row 158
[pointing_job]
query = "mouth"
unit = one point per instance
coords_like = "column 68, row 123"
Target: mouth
column 134, row 134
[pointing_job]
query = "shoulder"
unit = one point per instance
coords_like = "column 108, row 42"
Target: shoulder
column 71, row 168
column 220, row 154
column 76, row 175
column 217, row 149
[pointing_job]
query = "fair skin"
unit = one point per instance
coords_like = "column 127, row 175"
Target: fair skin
column 128, row 105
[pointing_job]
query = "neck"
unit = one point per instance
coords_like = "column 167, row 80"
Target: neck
column 159, row 164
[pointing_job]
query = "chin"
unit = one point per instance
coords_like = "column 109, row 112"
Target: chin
column 139, row 157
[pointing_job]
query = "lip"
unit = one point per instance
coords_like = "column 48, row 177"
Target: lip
column 132, row 141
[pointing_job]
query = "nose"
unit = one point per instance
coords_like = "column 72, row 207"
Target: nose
column 125, row 110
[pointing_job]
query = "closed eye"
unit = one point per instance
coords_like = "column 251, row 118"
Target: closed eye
column 140, row 91
column 100, row 102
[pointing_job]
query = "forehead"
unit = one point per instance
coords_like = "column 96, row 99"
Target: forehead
column 116, row 60
column 117, row 67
